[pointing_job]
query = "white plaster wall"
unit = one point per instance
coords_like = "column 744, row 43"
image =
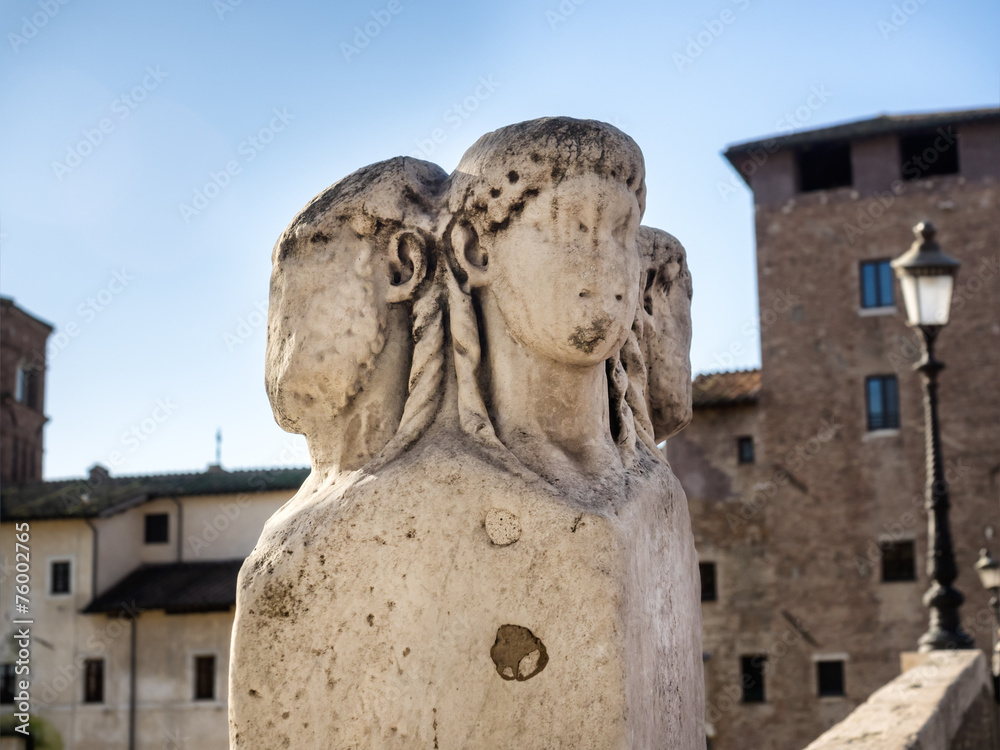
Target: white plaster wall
column 223, row 527
column 119, row 539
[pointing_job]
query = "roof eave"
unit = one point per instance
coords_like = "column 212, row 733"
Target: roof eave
column 843, row 131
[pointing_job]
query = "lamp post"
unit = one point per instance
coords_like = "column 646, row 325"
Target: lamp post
column 927, row 277
column 989, row 573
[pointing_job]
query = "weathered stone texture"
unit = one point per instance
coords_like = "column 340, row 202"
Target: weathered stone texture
column 490, row 551
column 945, row 702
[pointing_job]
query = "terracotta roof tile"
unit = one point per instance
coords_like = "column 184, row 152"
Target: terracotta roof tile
column 726, row 388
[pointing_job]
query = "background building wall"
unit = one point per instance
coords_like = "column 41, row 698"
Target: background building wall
column 839, row 490
column 215, row 527
column 22, row 345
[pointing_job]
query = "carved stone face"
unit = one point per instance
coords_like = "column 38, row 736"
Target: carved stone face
column 326, row 323
column 565, row 273
column 667, row 335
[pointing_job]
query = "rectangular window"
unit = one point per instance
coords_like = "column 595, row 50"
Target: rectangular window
column 707, row 571
column 744, row 450
column 7, row 683
column 26, row 387
column 93, row 681
column 157, row 528
column 753, row 677
column 830, row 677
column 928, row 154
column 882, row 396
column 899, row 562
column 824, row 166
column 59, row 577
column 876, row 284
column 204, row 678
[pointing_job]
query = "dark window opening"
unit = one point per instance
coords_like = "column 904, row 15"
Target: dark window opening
column 7, row 683
column 22, row 460
column 882, row 400
column 753, row 677
column 744, row 450
column 824, row 166
column 876, row 284
column 27, row 387
column 60, row 583
column 157, row 528
column 15, row 454
column 204, row 678
column 899, row 561
column 830, row 677
column 93, row 681
column 707, row 572
column 928, row 154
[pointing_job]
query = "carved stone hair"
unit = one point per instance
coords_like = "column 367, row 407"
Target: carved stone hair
column 489, row 189
column 664, row 262
column 380, row 203
column 506, row 168
column 664, row 256
column 386, row 195
column 664, row 266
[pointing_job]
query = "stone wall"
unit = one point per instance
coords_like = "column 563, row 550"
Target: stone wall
column 943, row 702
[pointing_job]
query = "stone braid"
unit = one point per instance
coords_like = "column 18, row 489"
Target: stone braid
column 618, row 384
column 472, row 413
column 426, row 384
column 635, row 396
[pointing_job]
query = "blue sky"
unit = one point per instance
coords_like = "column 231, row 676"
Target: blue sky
column 153, row 152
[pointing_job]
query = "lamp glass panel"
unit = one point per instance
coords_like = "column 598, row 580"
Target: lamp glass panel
column 909, row 286
column 990, row 577
column 927, row 298
column 934, row 297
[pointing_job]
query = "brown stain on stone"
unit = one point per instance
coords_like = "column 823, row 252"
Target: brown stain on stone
column 517, row 653
column 276, row 601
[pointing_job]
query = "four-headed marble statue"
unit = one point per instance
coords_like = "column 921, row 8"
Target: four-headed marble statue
column 491, row 551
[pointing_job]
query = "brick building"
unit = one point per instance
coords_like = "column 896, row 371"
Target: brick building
column 806, row 478
column 22, row 393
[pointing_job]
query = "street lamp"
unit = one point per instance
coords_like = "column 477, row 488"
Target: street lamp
column 927, row 277
column 989, row 573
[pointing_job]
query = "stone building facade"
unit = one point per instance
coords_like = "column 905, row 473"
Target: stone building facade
column 22, row 393
column 806, row 478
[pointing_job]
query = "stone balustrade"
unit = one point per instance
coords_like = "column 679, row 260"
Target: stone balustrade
column 943, row 700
